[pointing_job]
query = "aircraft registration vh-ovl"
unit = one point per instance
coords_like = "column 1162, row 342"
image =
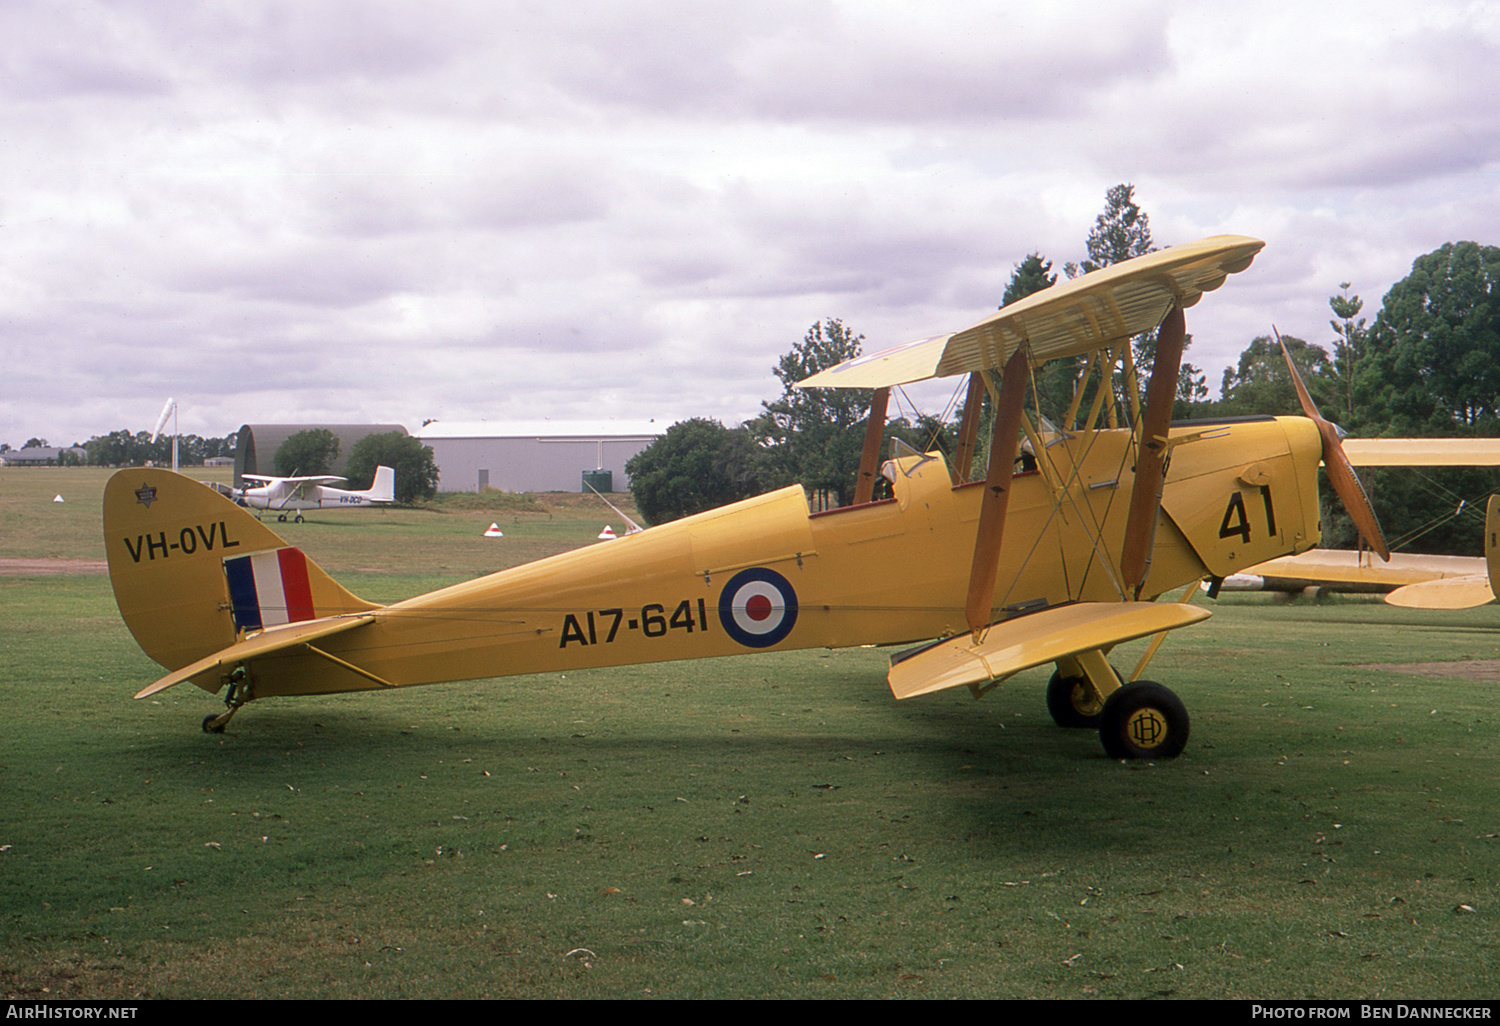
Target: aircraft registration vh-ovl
column 1058, row 562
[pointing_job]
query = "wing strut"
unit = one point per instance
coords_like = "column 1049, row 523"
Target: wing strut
column 869, row 459
column 968, row 431
column 1004, row 440
column 1151, row 452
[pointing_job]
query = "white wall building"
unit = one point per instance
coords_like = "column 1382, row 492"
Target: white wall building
column 535, row 456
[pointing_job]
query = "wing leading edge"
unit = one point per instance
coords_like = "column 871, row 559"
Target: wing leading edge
column 1032, row 640
column 1088, row 313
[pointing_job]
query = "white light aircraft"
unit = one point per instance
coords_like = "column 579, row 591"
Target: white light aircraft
column 284, row 495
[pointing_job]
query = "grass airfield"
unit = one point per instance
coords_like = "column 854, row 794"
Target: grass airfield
column 772, row 825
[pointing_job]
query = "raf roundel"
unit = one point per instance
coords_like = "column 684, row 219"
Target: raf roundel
column 758, row 607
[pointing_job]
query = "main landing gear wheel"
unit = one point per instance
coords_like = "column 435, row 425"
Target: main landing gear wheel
column 1072, row 702
column 1143, row 720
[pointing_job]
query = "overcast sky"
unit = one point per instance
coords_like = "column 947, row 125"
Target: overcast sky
column 390, row 212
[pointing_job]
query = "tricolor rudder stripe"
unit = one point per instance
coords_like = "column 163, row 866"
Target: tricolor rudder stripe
column 269, row 588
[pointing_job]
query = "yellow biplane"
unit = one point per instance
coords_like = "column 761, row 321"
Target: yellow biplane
column 1056, row 556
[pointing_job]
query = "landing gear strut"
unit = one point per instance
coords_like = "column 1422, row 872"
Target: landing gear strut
column 237, row 695
column 1138, row 720
column 1072, row 701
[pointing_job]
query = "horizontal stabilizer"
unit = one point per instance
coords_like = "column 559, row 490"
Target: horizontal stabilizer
column 1033, row 640
column 276, row 639
column 1449, row 593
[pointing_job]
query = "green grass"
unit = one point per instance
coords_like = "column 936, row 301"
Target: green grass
column 770, row 825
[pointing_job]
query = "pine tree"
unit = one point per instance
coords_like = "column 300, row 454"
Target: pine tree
column 1349, row 346
column 814, row 435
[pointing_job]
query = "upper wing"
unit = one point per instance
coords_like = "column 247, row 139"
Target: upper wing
column 318, row 479
column 1098, row 309
column 1423, row 452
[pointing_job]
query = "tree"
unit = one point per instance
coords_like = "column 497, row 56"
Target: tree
column 1431, row 366
column 1122, row 231
column 697, row 465
column 1031, row 275
column 1261, row 385
column 307, row 452
column 1432, row 357
column 416, row 470
column 220, row 447
column 1192, row 387
column 123, row 449
column 1349, row 346
column 1054, row 380
column 814, row 436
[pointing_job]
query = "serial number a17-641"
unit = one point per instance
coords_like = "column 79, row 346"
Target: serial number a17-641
column 601, row 627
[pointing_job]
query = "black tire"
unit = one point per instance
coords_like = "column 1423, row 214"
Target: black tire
column 1071, row 702
column 208, row 720
column 1143, row 720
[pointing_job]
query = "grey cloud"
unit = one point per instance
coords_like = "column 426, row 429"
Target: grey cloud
column 316, row 275
column 350, row 210
column 547, row 194
column 855, row 63
column 54, row 52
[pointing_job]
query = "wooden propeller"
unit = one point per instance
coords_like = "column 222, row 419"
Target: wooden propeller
column 1346, row 483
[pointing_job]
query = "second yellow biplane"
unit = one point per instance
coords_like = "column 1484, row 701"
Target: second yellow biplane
column 1055, row 556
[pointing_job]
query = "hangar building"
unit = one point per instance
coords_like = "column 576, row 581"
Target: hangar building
column 536, row 456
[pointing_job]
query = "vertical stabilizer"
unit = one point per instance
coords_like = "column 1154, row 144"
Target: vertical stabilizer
column 383, row 488
column 170, row 540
